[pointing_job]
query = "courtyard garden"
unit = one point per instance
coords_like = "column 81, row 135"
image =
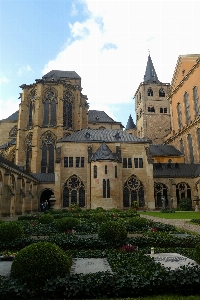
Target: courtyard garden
column 54, row 252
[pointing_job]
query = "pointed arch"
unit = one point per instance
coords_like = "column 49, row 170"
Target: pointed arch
column 74, row 192
column 68, row 99
column 48, row 140
column 133, row 190
column 50, row 102
column 150, row 92
column 183, row 190
column 160, row 189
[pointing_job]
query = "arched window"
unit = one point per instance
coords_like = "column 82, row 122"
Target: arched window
column 74, row 192
column 67, row 109
column 183, row 190
column 161, row 93
column 160, row 190
column 150, row 92
column 179, row 115
column 187, row 108
column 28, row 143
column 133, row 190
column 48, row 149
column 196, row 101
column 31, row 98
column 50, row 101
column 190, row 147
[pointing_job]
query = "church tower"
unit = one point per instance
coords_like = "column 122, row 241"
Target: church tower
column 152, row 107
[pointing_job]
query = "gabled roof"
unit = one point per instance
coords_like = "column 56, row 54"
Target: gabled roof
column 102, row 135
column 98, row 116
column 55, row 75
column 164, row 150
column 130, row 123
column 104, row 153
column 176, row 170
column 150, row 74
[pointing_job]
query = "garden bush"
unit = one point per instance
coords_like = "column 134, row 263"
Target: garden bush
column 196, row 253
column 67, row 223
column 10, row 231
column 112, row 232
column 37, row 263
column 98, row 217
column 138, row 223
column 46, row 219
column 185, row 204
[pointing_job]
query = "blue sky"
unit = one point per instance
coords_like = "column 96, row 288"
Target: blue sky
column 105, row 42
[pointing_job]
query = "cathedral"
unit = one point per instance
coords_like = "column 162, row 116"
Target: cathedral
column 54, row 147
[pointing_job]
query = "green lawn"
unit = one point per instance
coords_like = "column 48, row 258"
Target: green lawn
column 176, row 215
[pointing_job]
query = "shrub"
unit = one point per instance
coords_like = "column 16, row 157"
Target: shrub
column 98, row 217
column 138, row 223
column 37, row 263
column 46, row 219
column 196, row 253
column 74, row 208
column 185, row 204
column 10, row 231
column 65, row 224
column 112, row 232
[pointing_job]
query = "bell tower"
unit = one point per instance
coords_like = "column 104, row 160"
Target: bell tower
column 153, row 119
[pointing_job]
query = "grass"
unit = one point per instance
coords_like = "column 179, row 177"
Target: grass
column 177, row 215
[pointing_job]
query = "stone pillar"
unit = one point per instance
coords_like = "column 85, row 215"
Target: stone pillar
column 27, row 199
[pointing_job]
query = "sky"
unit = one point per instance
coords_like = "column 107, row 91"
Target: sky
column 106, row 42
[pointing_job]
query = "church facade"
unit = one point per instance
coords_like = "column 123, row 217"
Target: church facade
column 55, row 146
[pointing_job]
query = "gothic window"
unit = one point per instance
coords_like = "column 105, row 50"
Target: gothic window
column 74, row 192
column 181, row 146
column 150, row 92
column 28, row 143
column 198, row 135
column 179, row 115
column 106, row 188
column 161, row 93
column 183, row 190
column 50, row 101
column 48, row 149
column 160, row 190
column 187, row 109
column 13, row 132
column 196, row 101
column 95, row 171
column 133, row 190
column 67, row 109
column 190, row 147
column 31, row 98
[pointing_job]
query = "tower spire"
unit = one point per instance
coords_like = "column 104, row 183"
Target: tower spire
column 150, row 74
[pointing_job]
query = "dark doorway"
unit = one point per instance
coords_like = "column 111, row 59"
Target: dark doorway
column 46, row 195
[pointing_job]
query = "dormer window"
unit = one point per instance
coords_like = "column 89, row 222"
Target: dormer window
column 97, row 118
column 117, row 136
column 87, row 135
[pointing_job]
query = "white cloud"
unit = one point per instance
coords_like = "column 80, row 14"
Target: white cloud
column 23, row 70
column 8, row 107
column 109, row 50
column 73, row 11
column 4, row 79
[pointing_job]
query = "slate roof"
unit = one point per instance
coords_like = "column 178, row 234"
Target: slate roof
column 164, row 150
column 130, row 123
column 44, row 177
column 13, row 117
column 176, row 170
column 150, row 74
column 98, row 116
column 10, row 165
column 102, row 135
column 9, row 143
column 55, row 75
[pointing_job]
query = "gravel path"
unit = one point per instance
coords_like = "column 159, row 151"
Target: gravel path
column 183, row 224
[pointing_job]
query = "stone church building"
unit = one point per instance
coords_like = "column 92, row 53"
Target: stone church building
column 54, row 146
